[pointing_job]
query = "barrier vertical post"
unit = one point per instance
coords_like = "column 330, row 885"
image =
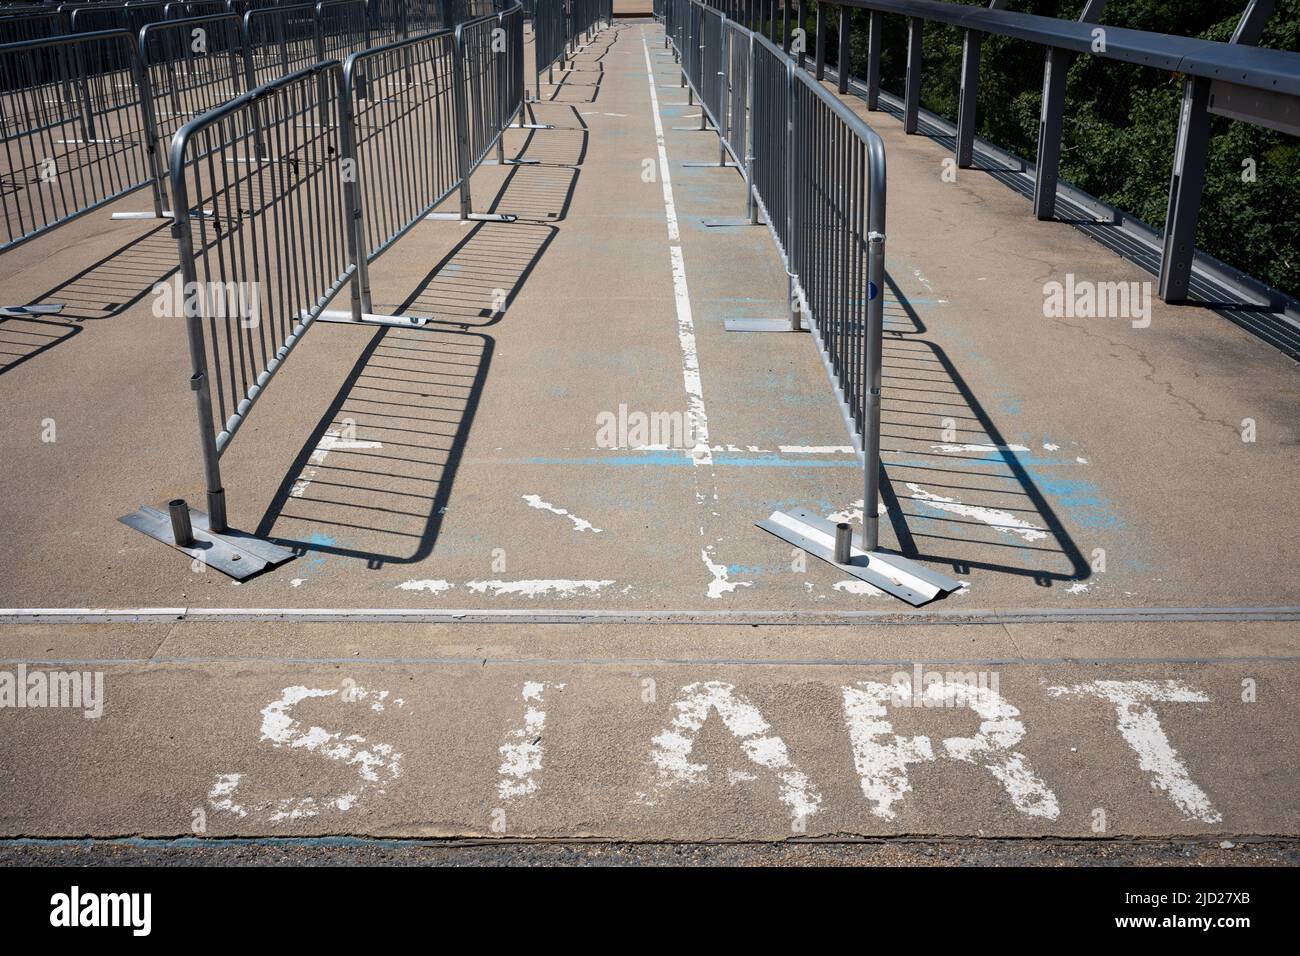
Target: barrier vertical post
column 790, row 203
column 461, row 107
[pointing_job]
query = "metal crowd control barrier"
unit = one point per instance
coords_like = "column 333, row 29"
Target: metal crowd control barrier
column 258, row 266
column 818, row 176
column 550, row 40
column 21, row 27
column 188, row 67
column 71, row 127
column 285, row 195
column 279, row 41
column 117, row 16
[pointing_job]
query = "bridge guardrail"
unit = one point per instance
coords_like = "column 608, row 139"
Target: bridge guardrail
column 1235, row 79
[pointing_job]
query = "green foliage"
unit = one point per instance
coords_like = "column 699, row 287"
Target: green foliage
column 1120, row 122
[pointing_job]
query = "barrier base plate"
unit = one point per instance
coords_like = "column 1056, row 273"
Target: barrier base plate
column 22, row 311
column 891, row 573
column 232, row 552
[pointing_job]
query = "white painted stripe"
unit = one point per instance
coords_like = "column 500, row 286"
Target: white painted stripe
column 534, row 588
column 977, row 447
column 701, row 454
column 816, row 449
column 999, row 520
column 579, row 524
column 1140, row 727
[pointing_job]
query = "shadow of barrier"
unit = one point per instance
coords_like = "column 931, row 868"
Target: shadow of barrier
column 22, row 339
column 285, row 195
column 380, row 466
column 816, row 174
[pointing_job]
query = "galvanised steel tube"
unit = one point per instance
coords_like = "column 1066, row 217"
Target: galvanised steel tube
column 818, row 173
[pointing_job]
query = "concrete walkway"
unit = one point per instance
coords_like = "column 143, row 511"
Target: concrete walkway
column 485, row 466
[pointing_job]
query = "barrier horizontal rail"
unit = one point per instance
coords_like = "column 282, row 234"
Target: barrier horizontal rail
column 263, row 245
column 817, row 173
column 188, row 67
column 284, row 195
column 71, row 129
column 20, row 27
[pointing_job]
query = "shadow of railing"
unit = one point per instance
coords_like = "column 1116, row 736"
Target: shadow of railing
column 380, row 465
column 955, row 491
column 113, row 284
column 22, row 339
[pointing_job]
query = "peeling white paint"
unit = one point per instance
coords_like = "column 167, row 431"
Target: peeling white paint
column 1140, row 727
column 671, row 750
column 854, row 586
column 999, row 731
column 1048, row 446
column 1078, row 587
column 1003, row 521
column 881, row 762
column 221, row 796
column 563, row 588
column 376, row 765
column 720, row 585
column 853, row 513
column 579, row 524
column 880, row 756
column 521, row 754
column 435, row 586
column 979, row 448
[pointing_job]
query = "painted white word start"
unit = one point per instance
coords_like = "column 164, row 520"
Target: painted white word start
column 881, row 756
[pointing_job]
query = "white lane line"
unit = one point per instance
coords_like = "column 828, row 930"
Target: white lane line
column 701, row 454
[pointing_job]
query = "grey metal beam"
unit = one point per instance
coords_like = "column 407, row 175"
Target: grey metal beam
column 968, row 96
column 912, row 84
column 1274, row 70
column 1056, row 69
column 820, row 50
column 1191, row 152
column 846, row 50
column 873, row 61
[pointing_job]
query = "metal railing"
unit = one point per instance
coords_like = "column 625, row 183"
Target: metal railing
column 188, row 67
column 816, row 173
column 398, row 96
column 550, row 40
column 71, row 130
column 169, row 71
column 286, row 194
column 1233, row 79
column 263, row 243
